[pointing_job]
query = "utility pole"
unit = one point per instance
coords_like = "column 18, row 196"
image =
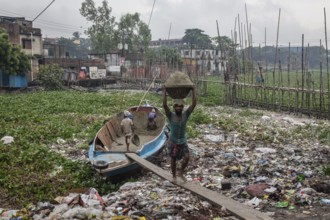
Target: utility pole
column 32, row 37
column 31, row 56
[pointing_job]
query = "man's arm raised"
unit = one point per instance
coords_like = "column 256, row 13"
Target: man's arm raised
column 194, row 100
column 166, row 108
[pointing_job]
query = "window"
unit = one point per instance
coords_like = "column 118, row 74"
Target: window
column 51, row 52
column 26, row 44
column 11, row 29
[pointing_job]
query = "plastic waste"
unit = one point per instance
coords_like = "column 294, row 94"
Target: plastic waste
column 254, row 202
column 7, row 139
column 282, row 204
column 229, row 155
column 291, row 199
column 326, row 201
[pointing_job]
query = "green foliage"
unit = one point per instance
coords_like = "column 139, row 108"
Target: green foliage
column 102, row 30
column 134, row 32
column 200, row 116
column 105, row 33
column 326, row 170
column 211, row 94
column 307, row 131
column 164, row 54
column 197, row 117
column 13, row 60
column 228, row 124
column 195, row 38
column 324, row 135
column 80, row 50
column 50, row 76
column 29, row 171
column 224, row 43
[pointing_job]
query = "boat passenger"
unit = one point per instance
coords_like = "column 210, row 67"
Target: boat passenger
column 152, row 125
column 126, row 128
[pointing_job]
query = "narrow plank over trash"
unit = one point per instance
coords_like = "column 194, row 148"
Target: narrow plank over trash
column 239, row 210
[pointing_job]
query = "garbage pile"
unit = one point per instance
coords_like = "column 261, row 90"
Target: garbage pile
column 285, row 178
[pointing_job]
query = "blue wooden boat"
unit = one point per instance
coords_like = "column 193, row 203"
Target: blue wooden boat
column 108, row 148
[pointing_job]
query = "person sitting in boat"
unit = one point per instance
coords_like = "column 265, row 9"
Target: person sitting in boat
column 152, row 125
column 127, row 128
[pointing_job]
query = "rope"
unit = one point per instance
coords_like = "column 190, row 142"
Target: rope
column 146, row 92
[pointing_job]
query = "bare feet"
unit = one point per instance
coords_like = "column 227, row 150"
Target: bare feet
column 174, row 178
column 180, row 174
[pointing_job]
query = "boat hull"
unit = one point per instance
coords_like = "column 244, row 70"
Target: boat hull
column 107, row 150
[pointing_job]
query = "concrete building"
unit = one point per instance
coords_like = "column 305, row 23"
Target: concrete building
column 21, row 32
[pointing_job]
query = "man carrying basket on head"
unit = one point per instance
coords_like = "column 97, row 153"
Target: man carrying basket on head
column 178, row 148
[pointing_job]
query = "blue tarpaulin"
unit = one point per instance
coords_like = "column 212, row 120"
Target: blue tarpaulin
column 13, row 81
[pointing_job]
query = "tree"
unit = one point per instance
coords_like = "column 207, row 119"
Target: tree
column 79, row 50
column 76, row 34
column 225, row 44
column 102, row 32
column 12, row 59
column 164, row 54
column 134, row 32
column 196, row 39
column 50, row 76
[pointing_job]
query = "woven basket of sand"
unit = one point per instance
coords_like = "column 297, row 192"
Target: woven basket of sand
column 178, row 85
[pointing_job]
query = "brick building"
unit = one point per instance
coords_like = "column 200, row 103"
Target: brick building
column 21, row 32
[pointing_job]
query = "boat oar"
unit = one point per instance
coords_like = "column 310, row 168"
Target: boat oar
column 136, row 139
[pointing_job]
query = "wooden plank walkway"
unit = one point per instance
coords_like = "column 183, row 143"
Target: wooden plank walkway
column 237, row 209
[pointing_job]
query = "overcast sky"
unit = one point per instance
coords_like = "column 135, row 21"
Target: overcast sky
column 170, row 18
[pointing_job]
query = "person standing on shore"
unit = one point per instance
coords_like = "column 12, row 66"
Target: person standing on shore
column 177, row 145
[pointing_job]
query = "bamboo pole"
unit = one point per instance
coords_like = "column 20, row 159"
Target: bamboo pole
column 243, row 60
column 244, row 64
column 289, row 84
column 309, row 81
column 266, row 72
column 252, row 66
column 221, row 54
column 327, row 60
column 278, row 26
column 321, row 79
column 280, row 83
column 247, row 29
column 302, row 75
column 240, row 49
column 260, row 81
column 296, row 84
